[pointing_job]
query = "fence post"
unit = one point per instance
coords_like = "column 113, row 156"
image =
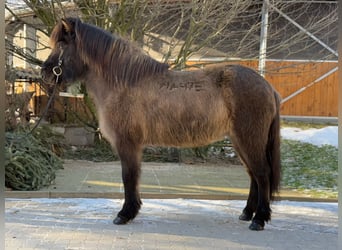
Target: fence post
column 263, row 38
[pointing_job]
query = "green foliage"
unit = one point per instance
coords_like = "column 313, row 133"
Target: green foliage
column 306, row 166
column 30, row 161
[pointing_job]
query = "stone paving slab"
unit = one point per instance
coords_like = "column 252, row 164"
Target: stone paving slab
column 79, row 224
column 84, row 179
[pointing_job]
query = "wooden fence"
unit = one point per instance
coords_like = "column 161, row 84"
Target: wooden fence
column 320, row 90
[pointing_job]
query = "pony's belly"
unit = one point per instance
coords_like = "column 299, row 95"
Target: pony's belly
column 184, row 140
column 191, row 144
column 187, row 132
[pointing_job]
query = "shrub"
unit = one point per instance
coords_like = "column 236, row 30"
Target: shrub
column 30, row 160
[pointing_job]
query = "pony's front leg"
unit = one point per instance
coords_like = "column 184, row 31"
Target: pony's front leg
column 131, row 168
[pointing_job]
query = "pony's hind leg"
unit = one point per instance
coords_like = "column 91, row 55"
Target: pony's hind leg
column 252, row 202
column 258, row 201
column 131, row 168
column 263, row 211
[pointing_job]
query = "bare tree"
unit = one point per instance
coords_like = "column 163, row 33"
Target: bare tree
column 179, row 29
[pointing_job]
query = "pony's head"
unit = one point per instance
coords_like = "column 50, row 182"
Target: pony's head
column 64, row 64
column 80, row 50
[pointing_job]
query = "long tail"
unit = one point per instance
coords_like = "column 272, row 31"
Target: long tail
column 273, row 150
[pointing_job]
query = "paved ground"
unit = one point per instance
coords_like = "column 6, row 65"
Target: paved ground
column 164, row 222
column 84, row 179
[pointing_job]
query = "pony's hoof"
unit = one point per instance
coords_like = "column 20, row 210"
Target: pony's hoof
column 245, row 217
column 256, row 226
column 120, row 220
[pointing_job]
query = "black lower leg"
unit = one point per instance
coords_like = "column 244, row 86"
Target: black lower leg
column 128, row 212
column 263, row 212
column 263, row 215
column 130, row 163
column 252, row 202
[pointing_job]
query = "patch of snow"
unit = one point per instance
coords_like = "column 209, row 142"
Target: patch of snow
column 101, row 204
column 319, row 137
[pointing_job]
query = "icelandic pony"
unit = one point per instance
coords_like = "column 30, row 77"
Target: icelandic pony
column 141, row 102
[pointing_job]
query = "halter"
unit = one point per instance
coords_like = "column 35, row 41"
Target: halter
column 57, row 71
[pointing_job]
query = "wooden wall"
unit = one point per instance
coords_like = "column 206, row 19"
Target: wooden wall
column 321, row 99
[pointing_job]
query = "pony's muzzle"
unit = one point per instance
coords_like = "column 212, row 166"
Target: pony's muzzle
column 43, row 72
column 45, row 75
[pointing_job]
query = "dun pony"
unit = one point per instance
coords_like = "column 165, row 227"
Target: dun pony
column 141, row 102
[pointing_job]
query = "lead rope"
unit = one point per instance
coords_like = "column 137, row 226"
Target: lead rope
column 57, row 71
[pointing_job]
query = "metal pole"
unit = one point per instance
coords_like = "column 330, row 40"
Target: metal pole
column 340, row 130
column 263, row 38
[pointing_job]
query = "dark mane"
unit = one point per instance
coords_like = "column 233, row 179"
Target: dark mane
column 114, row 58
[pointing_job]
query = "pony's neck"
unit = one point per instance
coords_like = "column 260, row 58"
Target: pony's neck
column 129, row 65
column 117, row 61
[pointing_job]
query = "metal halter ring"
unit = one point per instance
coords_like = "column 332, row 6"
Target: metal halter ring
column 57, row 70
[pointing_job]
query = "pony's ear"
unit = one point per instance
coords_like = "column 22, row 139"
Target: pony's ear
column 67, row 26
